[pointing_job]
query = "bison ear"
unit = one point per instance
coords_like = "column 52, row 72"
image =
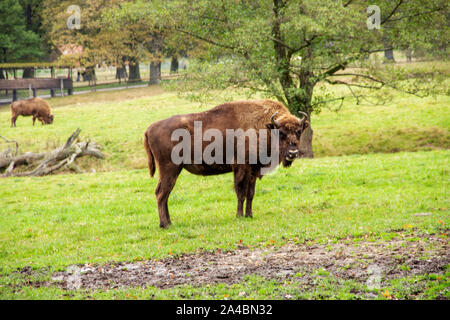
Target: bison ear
column 270, row 126
column 305, row 125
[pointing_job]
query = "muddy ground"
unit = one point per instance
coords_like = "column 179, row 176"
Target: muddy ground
column 369, row 262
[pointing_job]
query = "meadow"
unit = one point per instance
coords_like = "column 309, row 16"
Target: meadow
column 380, row 176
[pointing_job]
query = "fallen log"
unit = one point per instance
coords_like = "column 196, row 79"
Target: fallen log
column 9, row 150
column 48, row 162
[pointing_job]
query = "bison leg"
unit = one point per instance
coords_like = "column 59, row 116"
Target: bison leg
column 167, row 179
column 250, row 194
column 241, row 180
column 34, row 119
column 13, row 121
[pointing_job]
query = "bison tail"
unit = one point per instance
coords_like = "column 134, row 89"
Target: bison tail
column 151, row 159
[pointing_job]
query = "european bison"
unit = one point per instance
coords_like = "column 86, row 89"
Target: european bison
column 250, row 138
column 36, row 107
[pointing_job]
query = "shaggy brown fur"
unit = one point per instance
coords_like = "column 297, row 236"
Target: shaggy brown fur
column 234, row 115
column 36, row 107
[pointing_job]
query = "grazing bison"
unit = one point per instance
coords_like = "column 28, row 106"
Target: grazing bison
column 36, row 107
column 243, row 137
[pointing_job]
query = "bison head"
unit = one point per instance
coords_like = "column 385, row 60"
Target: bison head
column 48, row 119
column 290, row 132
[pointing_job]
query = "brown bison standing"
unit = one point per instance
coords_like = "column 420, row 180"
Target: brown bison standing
column 36, row 107
column 262, row 123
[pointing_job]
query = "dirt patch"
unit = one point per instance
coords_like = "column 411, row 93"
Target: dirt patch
column 364, row 261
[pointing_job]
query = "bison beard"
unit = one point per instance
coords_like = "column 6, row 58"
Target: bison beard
column 245, row 115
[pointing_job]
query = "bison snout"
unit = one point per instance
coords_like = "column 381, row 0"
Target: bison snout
column 293, row 153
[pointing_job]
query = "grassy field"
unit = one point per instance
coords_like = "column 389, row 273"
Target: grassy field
column 380, row 176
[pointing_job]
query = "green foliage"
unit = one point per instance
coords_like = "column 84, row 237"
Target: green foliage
column 16, row 42
column 97, row 42
column 283, row 49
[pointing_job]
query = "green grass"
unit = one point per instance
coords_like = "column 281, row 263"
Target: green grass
column 60, row 220
column 250, row 288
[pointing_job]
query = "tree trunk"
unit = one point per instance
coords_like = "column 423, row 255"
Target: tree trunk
column 121, row 73
column 302, row 102
column 174, row 65
column 408, row 54
column 389, row 54
column 306, row 143
column 28, row 73
column 135, row 74
column 296, row 101
column 155, row 72
column 89, row 75
column 388, row 51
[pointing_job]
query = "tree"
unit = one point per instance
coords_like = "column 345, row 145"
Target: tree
column 33, row 20
column 16, row 42
column 285, row 48
column 98, row 42
column 63, row 35
column 140, row 38
column 153, row 41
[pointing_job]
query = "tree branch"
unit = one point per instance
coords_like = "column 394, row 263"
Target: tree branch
column 330, row 100
column 392, row 12
column 417, row 14
column 282, row 43
column 307, row 44
column 354, row 84
column 347, row 3
column 11, row 141
column 365, row 76
column 221, row 45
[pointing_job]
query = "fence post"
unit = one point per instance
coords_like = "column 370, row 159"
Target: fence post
column 62, row 87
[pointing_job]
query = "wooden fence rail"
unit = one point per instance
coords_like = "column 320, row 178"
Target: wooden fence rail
column 37, row 84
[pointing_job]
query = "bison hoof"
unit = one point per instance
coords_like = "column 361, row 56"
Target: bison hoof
column 164, row 225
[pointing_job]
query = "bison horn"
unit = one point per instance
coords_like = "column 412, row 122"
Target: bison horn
column 274, row 122
column 305, row 116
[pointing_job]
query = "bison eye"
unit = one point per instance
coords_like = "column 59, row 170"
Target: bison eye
column 299, row 132
column 282, row 134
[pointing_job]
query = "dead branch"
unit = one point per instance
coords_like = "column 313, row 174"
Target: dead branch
column 48, row 162
column 9, row 141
